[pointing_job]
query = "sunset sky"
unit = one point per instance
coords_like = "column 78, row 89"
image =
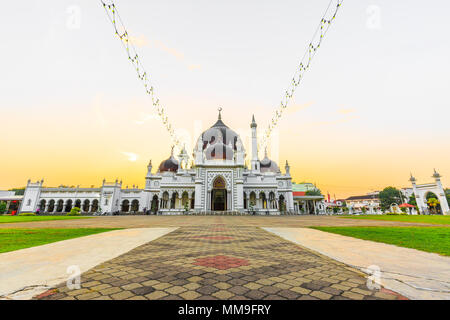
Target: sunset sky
column 373, row 107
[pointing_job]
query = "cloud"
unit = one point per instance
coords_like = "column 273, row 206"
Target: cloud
column 146, row 117
column 346, row 111
column 193, row 67
column 139, row 41
column 160, row 45
column 331, row 122
column 131, row 156
column 297, row 107
column 142, row 41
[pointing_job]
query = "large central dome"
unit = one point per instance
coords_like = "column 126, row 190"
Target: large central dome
column 219, row 130
column 219, row 142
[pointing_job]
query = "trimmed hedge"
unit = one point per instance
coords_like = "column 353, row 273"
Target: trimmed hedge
column 74, row 212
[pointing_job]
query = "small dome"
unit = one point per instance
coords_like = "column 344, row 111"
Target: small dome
column 268, row 165
column 169, row 165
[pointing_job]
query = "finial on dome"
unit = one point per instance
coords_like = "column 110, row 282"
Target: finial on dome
column 220, row 113
column 436, row 174
column 265, row 152
column 412, row 179
column 171, row 152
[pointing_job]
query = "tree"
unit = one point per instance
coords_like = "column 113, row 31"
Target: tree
column 433, row 202
column 154, row 207
column 2, row 207
column 18, row 191
column 315, row 192
column 412, row 200
column 388, row 196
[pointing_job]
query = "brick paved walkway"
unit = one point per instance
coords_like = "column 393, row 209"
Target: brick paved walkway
column 220, row 262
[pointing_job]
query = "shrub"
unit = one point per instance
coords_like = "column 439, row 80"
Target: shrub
column 396, row 213
column 74, row 212
column 27, row 214
column 2, row 207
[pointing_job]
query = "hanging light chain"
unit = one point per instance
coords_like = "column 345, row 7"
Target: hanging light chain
column 304, row 65
column 134, row 58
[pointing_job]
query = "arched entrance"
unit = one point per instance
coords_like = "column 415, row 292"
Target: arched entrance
column 281, row 204
column 125, row 206
column 219, row 195
column 154, row 206
column 94, row 207
column 135, row 206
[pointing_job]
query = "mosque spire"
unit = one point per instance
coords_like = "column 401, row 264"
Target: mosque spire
column 220, row 113
column 253, row 125
column 436, row 174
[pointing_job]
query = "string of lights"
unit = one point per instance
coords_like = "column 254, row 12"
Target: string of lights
column 304, row 65
column 134, row 58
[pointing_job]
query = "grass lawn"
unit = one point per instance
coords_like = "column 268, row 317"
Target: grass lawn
column 434, row 219
column 11, row 219
column 430, row 239
column 15, row 239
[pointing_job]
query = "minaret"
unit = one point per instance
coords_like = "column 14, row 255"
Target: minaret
column 287, row 168
column 184, row 158
column 416, row 194
column 255, row 160
column 149, row 169
column 441, row 196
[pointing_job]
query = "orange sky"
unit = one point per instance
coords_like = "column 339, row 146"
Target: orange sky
column 82, row 149
column 372, row 108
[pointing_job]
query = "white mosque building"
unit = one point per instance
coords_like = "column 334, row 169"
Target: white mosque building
column 215, row 179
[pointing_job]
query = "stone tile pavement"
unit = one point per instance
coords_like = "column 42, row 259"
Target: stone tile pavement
column 220, row 261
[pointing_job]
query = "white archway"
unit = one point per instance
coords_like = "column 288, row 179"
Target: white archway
column 421, row 191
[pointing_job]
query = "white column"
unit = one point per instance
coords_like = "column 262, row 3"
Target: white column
column 254, row 162
column 198, row 196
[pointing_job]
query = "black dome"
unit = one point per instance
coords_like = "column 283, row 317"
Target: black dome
column 267, row 165
column 169, row 165
column 219, row 129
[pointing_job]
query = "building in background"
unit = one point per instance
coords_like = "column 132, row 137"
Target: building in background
column 369, row 203
column 435, row 189
column 11, row 200
column 216, row 179
column 307, row 199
